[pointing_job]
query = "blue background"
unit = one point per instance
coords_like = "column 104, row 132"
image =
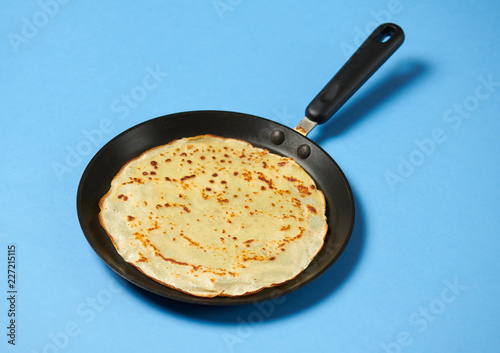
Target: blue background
column 421, row 271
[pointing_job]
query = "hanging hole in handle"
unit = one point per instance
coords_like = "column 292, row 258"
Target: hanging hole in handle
column 386, row 34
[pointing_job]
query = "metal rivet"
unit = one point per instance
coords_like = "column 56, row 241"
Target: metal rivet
column 303, row 151
column 277, row 137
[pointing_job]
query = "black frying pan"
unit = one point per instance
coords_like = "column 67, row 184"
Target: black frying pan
column 277, row 138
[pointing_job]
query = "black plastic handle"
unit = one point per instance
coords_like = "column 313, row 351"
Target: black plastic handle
column 374, row 51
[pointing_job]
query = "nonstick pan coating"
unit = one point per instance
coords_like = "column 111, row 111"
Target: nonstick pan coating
column 96, row 181
column 97, row 177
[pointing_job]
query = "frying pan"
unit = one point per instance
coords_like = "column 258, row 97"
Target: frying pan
column 260, row 132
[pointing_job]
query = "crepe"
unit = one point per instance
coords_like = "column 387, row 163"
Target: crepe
column 213, row 216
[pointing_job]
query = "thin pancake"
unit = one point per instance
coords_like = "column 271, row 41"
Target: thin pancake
column 215, row 216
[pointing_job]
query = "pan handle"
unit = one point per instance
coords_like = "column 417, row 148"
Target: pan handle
column 374, row 51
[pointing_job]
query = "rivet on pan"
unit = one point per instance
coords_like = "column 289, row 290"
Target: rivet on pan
column 303, row 151
column 277, row 137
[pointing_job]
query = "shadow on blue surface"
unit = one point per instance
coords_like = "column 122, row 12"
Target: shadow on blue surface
column 324, row 286
column 360, row 106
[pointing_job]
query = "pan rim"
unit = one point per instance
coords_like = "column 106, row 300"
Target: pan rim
column 271, row 292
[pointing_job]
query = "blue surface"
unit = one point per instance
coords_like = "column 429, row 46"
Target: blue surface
column 418, row 143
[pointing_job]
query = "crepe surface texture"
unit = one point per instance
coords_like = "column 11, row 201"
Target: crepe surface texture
column 213, row 216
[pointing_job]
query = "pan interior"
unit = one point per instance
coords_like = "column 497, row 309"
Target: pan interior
column 96, row 180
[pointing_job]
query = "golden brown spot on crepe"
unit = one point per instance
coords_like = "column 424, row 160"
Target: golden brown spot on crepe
column 285, row 227
column 288, row 239
column 269, row 182
column 142, row 258
column 130, row 218
column 190, row 241
column 298, row 236
column 167, row 259
column 303, row 190
column 296, row 202
column 134, row 180
column 312, row 209
column 156, row 226
column 254, row 258
column 247, row 176
column 184, row 178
